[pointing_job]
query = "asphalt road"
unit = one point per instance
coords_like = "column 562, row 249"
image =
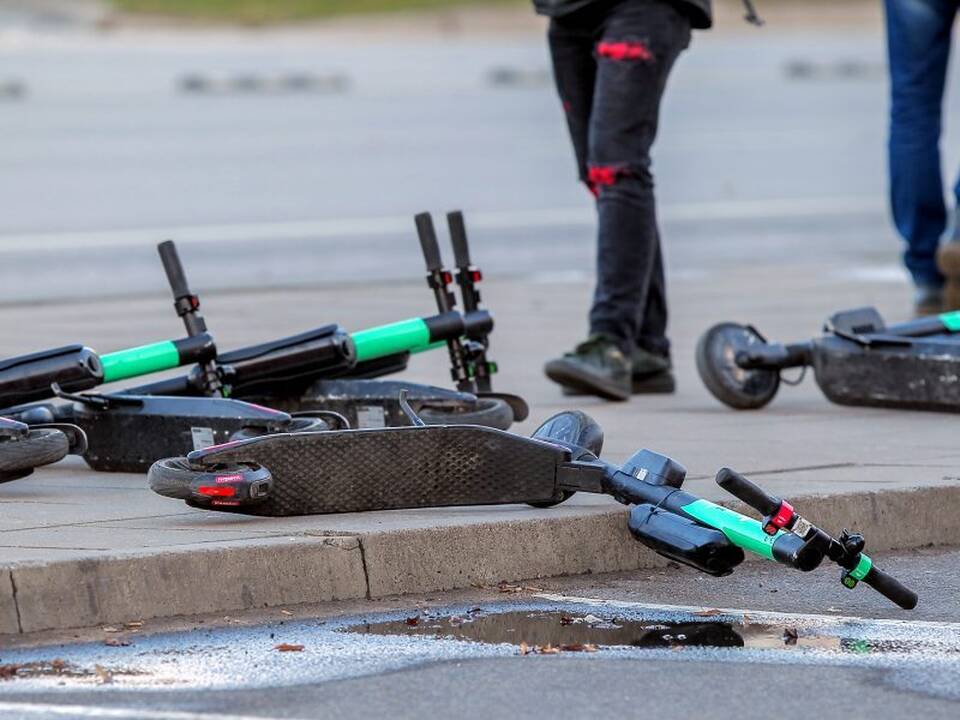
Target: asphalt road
column 105, row 156
column 855, row 655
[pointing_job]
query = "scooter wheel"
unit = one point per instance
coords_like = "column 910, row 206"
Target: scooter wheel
column 297, row 425
column 579, row 432
column 39, row 447
column 488, row 412
column 227, row 485
column 734, row 386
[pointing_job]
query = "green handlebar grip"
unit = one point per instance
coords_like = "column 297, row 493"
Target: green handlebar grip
column 405, row 336
column 140, row 361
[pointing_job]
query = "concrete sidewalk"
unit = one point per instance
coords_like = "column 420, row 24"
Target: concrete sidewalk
column 81, row 548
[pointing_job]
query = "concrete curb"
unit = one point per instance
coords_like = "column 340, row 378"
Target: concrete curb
column 230, row 577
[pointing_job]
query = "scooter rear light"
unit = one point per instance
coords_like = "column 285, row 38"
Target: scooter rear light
column 219, row 491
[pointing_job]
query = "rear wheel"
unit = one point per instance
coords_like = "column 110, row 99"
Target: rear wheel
column 488, row 412
column 40, row 447
column 238, row 484
column 734, row 386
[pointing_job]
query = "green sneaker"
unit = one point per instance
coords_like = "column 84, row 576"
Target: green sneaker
column 595, row 367
column 650, row 375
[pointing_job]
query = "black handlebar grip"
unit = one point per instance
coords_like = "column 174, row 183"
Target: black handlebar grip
column 891, row 588
column 458, row 238
column 753, row 495
column 428, row 241
column 173, row 268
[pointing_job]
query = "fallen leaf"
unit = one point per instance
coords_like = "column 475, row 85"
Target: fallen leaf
column 286, row 612
column 287, row 647
column 579, row 647
column 58, row 665
column 712, row 612
column 116, row 642
column 547, row 650
column 134, row 624
column 412, row 621
column 110, row 629
column 524, row 649
column 8, row 672
column 564, row 620
column 104, row 676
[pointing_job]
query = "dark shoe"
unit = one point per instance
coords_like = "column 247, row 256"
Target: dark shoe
column 928, row 300
column 595, row 367
column 650, row 374
column 948, row 261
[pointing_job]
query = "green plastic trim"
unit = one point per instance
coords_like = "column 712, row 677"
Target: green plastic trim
column 951, row 320
column 404, row 336
column 862, row 568
column 141, row 360
column 741, row 530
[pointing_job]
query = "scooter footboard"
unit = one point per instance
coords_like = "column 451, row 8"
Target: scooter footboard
column 394, row 468
column 919, row 375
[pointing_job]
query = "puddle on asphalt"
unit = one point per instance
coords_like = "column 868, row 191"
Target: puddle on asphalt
column 561, row 631
column 62, row 669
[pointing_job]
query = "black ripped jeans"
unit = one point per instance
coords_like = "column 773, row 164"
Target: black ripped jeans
column 611, row 61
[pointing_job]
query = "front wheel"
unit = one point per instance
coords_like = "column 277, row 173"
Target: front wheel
column 488, row 412
column 734, row 386
column 574, row 430
column 18, row 456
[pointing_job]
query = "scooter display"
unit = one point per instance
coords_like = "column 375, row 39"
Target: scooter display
column 859, row 360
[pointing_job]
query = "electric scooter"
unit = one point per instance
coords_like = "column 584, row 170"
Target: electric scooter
column 428, row 466
column 312, row 370
column 128, row 433
column 859, row 360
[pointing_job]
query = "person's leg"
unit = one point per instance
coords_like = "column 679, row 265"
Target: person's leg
column 574, row 72
column 635, row 53
column 591, row 368
column 918, row 39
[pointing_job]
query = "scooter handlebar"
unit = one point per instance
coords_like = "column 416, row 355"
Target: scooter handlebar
column 428, row 241
column 458, row 238
column 747, row 491
column 891, row 588
column 174, row 269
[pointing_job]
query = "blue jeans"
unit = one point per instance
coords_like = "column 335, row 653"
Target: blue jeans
column 918, row 43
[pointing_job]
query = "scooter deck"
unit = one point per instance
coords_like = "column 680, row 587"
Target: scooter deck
column 920, row 374
column 394, row 468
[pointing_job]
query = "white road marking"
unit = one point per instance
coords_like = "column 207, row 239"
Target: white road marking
column 334, row 228
column 93, row 711
column 753, row 615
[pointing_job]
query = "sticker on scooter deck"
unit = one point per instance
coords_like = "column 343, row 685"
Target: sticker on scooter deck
column 394, row 468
